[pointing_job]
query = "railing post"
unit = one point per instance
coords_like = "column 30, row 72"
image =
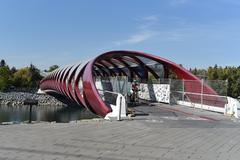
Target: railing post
column 183, row 86
column 170, row 91
column 120, row 109
column 202, row 82
column 126, row 92
column 30, row 114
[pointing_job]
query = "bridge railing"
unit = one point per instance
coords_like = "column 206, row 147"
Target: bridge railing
column 197, row 96
column 200, row 92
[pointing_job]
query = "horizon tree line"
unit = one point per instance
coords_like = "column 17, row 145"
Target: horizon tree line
column 229, row 74
column 29, row 77
column 26, row 77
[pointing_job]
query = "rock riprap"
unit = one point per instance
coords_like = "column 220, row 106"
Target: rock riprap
column 17, row 98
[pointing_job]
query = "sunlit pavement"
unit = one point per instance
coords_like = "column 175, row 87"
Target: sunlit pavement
column 157, row 132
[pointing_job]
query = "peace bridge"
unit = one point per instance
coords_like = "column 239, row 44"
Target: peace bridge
column 104, row 85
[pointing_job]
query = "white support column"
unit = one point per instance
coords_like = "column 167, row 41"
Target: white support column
column 118, row 110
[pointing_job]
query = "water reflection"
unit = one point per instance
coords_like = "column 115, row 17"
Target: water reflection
column 19, row 114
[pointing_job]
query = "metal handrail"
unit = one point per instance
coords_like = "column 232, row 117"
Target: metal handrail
column 201, row 94
column 109, row 91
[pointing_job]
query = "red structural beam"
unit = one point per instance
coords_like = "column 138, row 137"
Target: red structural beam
column 77, row 83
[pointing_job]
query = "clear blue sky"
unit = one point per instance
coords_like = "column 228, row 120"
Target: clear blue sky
column 189, row 32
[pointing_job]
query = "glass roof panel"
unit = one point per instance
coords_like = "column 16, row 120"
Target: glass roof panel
column 107, row 63
column 158, row 69
column 147, row 61
column 131, row 62
column 117, row 63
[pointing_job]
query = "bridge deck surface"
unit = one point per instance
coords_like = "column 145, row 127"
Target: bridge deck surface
column 157, row 132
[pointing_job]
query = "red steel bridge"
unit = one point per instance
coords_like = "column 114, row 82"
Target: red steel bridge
column 76, row 83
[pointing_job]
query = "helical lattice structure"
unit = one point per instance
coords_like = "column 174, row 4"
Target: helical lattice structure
column 76, row 83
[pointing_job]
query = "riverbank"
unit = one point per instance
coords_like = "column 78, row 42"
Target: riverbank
column 17, row 98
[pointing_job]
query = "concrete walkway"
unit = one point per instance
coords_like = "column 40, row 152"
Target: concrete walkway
column 159, row 132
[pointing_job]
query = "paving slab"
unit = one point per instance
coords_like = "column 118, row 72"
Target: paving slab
column 158, row 132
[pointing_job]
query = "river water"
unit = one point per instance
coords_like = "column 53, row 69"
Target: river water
column 18, row 114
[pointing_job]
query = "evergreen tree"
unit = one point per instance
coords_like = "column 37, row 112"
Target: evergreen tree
column 4, row 78
column 2, row 63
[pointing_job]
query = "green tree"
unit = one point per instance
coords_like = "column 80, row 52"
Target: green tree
column 213, row 73
column 13, row 70
column 28, row 77
column 2, row 63
column 53, row 67
column 5, row 81
column 22, row 77
column 231, row 75
column 35, row 76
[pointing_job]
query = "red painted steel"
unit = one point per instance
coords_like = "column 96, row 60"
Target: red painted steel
column 66, row 81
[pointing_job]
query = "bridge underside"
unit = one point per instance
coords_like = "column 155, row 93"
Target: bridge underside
column 77, row 83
